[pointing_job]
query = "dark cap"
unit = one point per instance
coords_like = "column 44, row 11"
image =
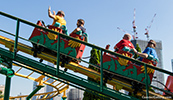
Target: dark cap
column 61, row 12
column 81, row 21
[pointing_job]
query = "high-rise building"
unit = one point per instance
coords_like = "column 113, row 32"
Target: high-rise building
column 158, row 75
column 75, row 94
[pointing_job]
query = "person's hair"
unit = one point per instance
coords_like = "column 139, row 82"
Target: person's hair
column 61, row 12
column 152, row 42
column 81, row 21
column 127, row 36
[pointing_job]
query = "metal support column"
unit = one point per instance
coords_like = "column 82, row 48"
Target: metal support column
column 146, row 76
column 58, row 55
column 64, row 97
column 7, row 85
column 16, row 39
column 35, row 91
column 101, row 72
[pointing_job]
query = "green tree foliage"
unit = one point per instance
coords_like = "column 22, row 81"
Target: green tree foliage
column 138, row 49
column 1, row 96
column 94, row 59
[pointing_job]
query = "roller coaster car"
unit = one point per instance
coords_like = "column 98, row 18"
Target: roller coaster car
column 125, row 70
column 49, row 40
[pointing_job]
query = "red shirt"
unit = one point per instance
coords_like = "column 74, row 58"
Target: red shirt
column 124, row 43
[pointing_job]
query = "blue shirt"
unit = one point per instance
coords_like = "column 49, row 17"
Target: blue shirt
column 150, row 51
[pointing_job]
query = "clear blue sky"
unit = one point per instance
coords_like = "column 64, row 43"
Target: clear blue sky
column 102, row 18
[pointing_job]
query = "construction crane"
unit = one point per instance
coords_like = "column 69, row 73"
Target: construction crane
column 134, row 35
column 148, row 27
column 134, row 26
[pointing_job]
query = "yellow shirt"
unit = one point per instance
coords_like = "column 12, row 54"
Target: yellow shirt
column 60, row 20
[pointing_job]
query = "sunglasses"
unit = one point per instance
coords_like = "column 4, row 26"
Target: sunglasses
column 151, row 43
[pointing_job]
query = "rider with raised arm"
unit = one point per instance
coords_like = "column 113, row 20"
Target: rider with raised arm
column 58, row 21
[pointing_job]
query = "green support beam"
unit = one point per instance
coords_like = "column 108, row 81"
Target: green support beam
column 8, row 82
column 7, row 88
column 16, row 38
column 35, row 91
column 101, row 71
column 147, row 93
column 58, row 55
